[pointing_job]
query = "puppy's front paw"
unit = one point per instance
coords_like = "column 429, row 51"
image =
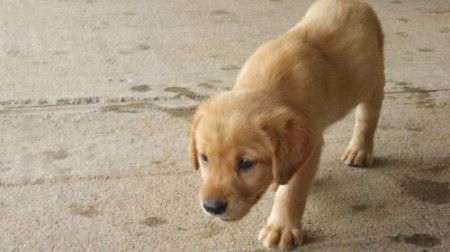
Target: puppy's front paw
column 357, row 156
column 281, row 236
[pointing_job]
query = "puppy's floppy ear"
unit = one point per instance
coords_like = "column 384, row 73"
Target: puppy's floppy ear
column 292, row 142
column 193, row 155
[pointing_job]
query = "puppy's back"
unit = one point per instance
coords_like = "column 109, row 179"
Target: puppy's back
column 335, row 49
column 335, row 25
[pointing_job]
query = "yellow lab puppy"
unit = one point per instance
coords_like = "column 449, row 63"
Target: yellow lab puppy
column 268, row 128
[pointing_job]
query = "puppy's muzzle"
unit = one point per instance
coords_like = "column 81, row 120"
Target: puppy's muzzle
column 215, row 207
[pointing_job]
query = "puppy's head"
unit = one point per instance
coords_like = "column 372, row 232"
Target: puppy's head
column 242, row 142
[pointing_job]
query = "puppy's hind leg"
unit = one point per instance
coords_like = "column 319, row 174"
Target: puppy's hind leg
column 360, row 150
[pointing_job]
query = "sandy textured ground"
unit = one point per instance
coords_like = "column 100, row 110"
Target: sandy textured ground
column 94, row 101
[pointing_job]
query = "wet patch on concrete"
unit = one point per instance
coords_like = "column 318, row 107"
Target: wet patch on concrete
column 128, row 108
column 438, row 168
column 182, row 229
column 421, row 240
column 131, row 100
column 313, row 236
column 229, row 68
column 444, row 30
column 213, row 55
column 184, row 92
column 16, row 103
column 421, row 97
column 140, row 88
column 220, row 12
column 402, row 34
column 440, row 11
column 153, row 221
column 156, row 162
column 111, row 61
column 390, row 97
column 415, row 129
column 206, row 85
column 86, row 210
column 183, row 112
column 125, row 52
column 402, row 83
column 223, row 16
column 39, row 181
column 142, row 47
column 13, row 53
column 360, row 207
column 428, row 191
column 425, row 50
column 396, row 2
column 179, row 112
column 210, row 83
column 404, row 20
column 50, row 156
column 42, row 102
column 81, row 100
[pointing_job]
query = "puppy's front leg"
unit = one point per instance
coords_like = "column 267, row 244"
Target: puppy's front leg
column 284, row 227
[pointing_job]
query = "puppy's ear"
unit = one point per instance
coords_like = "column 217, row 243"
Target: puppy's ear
column 193, row 155
column 292, row 142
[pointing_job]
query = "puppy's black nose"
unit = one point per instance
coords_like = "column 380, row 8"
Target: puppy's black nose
column 215, row 207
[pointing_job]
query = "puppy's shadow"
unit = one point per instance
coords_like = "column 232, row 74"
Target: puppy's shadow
column 374, row 196
column 398, row 169
column 411, row 166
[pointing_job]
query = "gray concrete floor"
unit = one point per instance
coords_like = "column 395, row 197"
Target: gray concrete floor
column 94, row 101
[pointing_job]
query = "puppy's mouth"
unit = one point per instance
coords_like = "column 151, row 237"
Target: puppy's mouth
column 228, row 216
column 258, row 197
column 227, row 219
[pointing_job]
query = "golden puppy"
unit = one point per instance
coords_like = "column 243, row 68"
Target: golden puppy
column 268, row 128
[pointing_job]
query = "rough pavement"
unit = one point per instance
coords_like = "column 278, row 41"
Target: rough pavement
column 95, row 98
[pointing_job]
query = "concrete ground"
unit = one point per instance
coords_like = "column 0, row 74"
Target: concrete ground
column 95, row 97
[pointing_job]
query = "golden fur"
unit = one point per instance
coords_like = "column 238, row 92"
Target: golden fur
column 285, row 96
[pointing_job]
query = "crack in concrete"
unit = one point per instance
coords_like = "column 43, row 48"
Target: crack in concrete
column 95, row 178
column 42, row 103
column 121, row 104
column 89, row 100
column 417, row 91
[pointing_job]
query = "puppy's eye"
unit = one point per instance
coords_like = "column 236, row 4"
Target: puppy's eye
column 245, row 164
column 204, row 158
